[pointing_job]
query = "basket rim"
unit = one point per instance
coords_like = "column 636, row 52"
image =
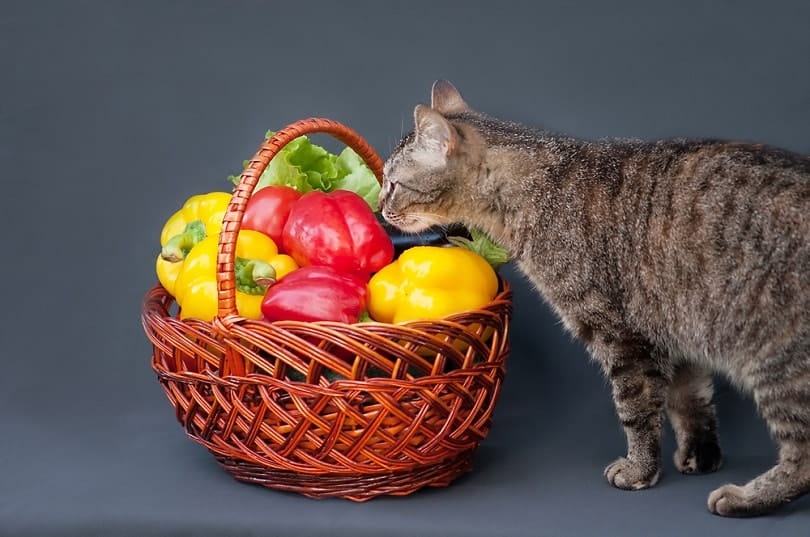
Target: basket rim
column 156, row 310
column 504, row 293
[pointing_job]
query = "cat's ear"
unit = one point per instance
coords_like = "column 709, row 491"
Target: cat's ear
column 434, row 135
column 445, row 98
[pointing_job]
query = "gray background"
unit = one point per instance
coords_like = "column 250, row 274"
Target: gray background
column 112, row 113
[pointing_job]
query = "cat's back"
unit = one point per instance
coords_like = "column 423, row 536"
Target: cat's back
column 716, row 194
column 717, row 241
column 714, row 164
column 711, row 191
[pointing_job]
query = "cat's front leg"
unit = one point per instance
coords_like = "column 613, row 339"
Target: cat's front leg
column 639, row 381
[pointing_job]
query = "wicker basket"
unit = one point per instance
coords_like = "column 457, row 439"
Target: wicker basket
column 329, row 409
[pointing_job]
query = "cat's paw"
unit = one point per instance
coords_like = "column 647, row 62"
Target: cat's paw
column 732, row 501
column 701, row 457
column 630, row 475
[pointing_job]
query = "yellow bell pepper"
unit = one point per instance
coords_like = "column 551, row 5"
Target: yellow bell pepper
column 206, row 208
column 199, row 217
column 431, row 282
column 258, row 264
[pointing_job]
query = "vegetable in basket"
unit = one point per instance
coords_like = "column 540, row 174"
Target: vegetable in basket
column 267, row 210
column 431, row 282
column 336, row 229
column 257, row 265
column 305, row 166
column 200, row 216
column 316, row 293
column 206, row 208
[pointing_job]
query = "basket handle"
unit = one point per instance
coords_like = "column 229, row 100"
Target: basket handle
column 232, row 221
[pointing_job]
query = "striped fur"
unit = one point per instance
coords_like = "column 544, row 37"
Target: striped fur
column 670, row 260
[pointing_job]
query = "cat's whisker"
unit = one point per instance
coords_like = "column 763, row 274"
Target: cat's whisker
column 433, row 218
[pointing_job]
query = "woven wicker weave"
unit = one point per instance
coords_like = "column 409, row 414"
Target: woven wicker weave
column 329, row 409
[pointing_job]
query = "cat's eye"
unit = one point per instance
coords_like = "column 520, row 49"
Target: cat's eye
column 389, row 187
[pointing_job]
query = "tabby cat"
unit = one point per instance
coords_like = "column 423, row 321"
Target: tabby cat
column 670, row 260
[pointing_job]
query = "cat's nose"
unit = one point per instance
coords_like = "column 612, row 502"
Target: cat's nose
column 387, row 214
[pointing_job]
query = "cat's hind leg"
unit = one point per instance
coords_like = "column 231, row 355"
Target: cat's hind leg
column 692, row 416
column 786, row 481
column 781, row 387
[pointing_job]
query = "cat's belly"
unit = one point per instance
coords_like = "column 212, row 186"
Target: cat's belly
column 726, row 329
column 727, row 333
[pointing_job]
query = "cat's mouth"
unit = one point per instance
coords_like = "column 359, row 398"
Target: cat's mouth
column 409, row 222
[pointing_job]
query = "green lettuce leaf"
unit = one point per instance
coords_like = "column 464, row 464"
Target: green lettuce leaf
column 357, row 177
column 305, row 166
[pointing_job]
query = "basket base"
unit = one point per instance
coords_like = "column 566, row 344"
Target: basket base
column 358, row 488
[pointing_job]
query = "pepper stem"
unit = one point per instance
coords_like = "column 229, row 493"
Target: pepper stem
column 253, row 276
column 178, row 247
column 482, row 245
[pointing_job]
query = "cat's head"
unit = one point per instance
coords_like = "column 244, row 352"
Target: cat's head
column 426, row 175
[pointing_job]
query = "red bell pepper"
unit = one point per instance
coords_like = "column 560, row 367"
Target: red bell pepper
column 268, row 208
column 316, row 293
column 337, row 229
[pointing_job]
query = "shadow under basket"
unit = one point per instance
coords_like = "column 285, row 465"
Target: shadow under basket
column 329, row 409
